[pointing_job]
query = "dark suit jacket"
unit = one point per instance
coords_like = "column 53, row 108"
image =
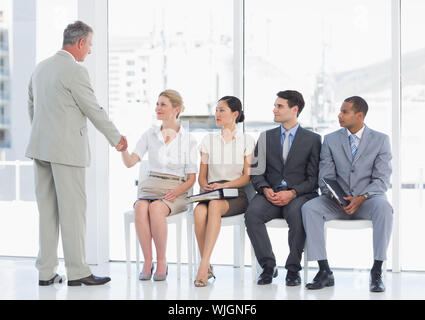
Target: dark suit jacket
column 302, row 165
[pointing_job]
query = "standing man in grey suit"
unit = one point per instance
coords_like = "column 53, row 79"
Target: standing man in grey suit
column 359, row 159
column 60, row 100
column 285, row 177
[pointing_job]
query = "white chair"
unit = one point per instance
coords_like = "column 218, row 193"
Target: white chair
column 238, row 223
column 351, row 225
column 256, row 268
column 174, row 219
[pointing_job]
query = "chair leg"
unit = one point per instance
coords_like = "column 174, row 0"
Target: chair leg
column 253, row 264
column 189, row 245
column 384, row 269
column 236, row 247
column 137, row 256
column 179, row 247
column 305, row 265
column 242, row 246
column 127, row 246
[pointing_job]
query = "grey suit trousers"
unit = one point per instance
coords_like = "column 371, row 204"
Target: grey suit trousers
column 316, row 211
column 261, row 211
column 61, row 200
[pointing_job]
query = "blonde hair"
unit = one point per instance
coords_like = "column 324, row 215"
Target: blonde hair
column 175, row 99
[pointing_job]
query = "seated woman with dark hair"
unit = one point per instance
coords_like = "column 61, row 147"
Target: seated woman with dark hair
column 225, row 163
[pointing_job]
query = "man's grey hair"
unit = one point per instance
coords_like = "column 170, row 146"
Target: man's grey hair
column 76, row 31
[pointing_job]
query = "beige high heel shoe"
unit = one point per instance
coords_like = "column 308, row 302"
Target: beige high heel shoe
column 160, row 277
column 146, row 276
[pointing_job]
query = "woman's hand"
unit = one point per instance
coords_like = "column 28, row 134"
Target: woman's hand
column 206, row 187
column 215, row 186
column 171, row 196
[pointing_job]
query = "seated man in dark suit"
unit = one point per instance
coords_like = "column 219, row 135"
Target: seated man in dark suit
column 284, row 174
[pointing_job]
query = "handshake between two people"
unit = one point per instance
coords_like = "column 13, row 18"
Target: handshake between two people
column 122, row 144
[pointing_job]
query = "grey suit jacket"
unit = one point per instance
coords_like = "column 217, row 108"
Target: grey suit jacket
column 300, row 170
column 60, row 99
column 370, row 170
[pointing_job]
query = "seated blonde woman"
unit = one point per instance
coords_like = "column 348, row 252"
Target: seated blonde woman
column 172, row 157
column 225, row 163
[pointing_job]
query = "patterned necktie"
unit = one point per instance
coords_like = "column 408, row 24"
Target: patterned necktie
column 353, row 145
column 285, row 148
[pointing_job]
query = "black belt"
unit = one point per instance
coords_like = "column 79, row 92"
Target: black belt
column 166, row 178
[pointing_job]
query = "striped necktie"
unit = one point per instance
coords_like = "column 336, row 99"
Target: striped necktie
column 353, row 145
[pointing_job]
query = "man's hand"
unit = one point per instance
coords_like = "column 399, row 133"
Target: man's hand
column 122, row 144
column 282, row 198
column 270, row 194
column 355, row 203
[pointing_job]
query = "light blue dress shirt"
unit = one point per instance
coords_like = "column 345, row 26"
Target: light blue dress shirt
column 293, row 132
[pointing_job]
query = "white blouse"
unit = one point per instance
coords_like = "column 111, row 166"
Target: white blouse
column 226, row 160
column 179, row 157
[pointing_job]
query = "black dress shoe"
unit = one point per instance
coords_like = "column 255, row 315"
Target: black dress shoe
column 91, row 280
column 56, row 279
column 293, row 279
column 321, row 280
column 266, row 277
column 376, row 284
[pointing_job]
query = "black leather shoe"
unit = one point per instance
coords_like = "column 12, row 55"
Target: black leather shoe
column 376, row 284
column 293, row 279
column 56, row 279
column 266, row 277
column 91, row 280
column 321, row 280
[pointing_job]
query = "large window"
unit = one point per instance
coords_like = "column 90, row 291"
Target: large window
column 156, row 45
column 413, row 146
column 30, row 31
column 328, row 50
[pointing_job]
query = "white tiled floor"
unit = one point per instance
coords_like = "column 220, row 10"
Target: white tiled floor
column 19, row 280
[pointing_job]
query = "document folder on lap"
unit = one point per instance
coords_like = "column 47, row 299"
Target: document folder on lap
column 214, row 195
column 336, row 191
column 153, row 197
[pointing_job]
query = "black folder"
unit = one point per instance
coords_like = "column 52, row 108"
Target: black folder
column 214, row 195
column 336, row 191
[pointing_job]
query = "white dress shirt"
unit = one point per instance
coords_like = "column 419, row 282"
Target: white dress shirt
column 179, row 157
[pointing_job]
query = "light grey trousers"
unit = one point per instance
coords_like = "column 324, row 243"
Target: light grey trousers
column 61, row 200
column 318, row 210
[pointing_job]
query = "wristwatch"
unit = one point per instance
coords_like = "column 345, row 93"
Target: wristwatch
column 366, row 195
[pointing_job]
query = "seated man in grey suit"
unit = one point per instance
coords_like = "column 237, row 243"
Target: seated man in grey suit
column 359, row 159
column 60, row 99
column 285, row 177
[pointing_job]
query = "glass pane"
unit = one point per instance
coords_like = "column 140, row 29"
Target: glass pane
column 413, row 146
column 158, row 45
column 30, row 31
column 327, row 50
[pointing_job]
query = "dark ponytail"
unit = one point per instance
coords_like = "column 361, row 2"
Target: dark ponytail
column 235, row 105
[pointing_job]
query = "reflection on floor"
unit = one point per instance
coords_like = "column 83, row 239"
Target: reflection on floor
column 19, row 280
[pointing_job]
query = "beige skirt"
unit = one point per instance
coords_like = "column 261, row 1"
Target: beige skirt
column 157, row 185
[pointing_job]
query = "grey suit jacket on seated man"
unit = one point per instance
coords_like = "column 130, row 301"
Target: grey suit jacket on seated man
column 60, row 99
column 368, row 174
column 300, row 172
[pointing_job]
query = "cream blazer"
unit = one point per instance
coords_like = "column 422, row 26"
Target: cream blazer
column 60, row 99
